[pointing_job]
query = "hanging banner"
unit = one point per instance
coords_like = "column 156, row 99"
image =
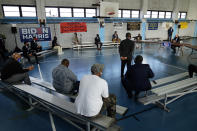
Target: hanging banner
column 184, row 25
column 70, row 27
column 41, row 33
column 153, row 26
column 133, row 26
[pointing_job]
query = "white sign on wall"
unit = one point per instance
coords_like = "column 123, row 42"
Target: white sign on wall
column 118, row 25
column 166, row 25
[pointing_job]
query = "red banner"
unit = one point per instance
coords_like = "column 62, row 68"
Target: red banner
column 70, row 27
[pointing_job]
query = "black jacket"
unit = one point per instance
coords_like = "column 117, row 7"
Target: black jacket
column 12, row 67
column 177, row 39
column 34, row 45
column 138, row 77
column 126, row 48
column 54, row 43
column 97, row 40
column 26, row 50
column 170, row 31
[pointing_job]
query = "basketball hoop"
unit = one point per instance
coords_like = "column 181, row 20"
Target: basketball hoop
column 111, row 13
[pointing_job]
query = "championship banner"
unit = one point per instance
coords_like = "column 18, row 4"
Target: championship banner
column 70, row 27
column 153, row 26
column 133, row 26
column 41, row 33
column 184, row 25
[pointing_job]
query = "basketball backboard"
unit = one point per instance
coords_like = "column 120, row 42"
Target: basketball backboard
column 108, row 9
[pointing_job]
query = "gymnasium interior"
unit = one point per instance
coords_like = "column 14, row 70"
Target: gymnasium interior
column 21, row 20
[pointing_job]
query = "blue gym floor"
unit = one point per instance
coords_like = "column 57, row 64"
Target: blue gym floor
column 182, row 115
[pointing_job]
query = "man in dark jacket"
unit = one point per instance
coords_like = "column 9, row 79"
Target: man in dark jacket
column 137, row 77
column 27, row 52
column 35, row 46
column 191, row 69
column 126, row 49
column 3, row 52
column 98, row 42
column 12, row 72
column 170, row 31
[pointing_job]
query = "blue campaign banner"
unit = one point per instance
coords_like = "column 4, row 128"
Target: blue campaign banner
column 153, row 26
column 166, row 44
column 41, row 33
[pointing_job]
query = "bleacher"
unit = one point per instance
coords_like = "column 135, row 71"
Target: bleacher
column 167, row 90
column 43, row 100
column 92, row 45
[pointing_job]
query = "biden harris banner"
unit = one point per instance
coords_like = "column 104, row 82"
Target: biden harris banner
column 41, row 33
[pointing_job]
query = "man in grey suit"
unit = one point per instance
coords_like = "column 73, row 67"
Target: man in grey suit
column 64, row 80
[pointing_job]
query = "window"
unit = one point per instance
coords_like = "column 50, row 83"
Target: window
column 28, row 11
column 51, row 12
column 11, row 11
column 78, row 12
column 120, row 13
column 154, row 14
column 168, row 15
column 65, row 12
column 135, row 14
column 161, row 15
column 183, row 15
column 179, row 14
column 147, row 14
column 90, row 12
column 126, row 13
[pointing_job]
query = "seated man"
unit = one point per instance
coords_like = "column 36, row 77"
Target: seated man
column 176, row 40
column 3, row 51
column 27, row 52
column 64, row 80
column 12, row 72
column 55, row 45
column 192, row 68
column 93, row 97
column 35, row 46
column 137, row 77
column 115, row 37
column 98, row 42
column 75, row 39
column 139, row 37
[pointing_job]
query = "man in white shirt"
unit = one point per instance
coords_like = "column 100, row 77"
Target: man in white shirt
column 93, row 95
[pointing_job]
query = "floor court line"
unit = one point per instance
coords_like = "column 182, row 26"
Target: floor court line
column 174, row 66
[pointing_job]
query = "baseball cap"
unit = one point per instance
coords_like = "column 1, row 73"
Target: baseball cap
column 96, row 68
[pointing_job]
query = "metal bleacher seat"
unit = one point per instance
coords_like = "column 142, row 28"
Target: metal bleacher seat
column 179, row 86
column 57, row 105
column 119, row 109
